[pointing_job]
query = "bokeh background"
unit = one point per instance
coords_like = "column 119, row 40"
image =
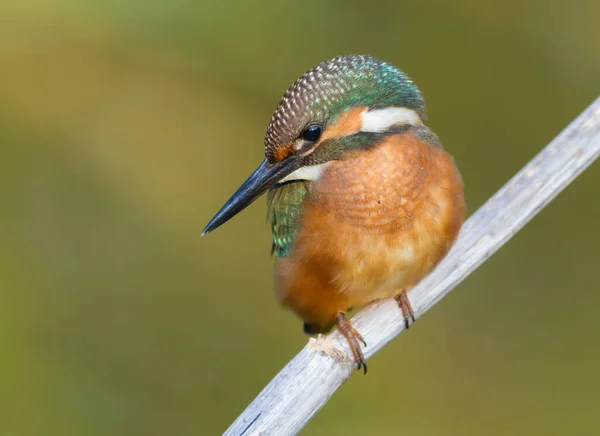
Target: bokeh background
column 124, row 125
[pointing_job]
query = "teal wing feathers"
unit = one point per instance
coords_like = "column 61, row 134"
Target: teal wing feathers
column 284, row 208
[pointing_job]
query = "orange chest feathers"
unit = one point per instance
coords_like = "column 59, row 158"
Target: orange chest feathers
column 373, row 225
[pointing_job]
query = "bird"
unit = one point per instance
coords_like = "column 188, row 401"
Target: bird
column 363, row 200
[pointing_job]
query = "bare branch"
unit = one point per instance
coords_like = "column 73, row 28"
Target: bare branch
column 306, row 383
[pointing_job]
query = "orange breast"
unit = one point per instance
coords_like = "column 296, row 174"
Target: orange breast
column 373, row 225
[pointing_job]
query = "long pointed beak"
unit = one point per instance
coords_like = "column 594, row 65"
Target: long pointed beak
column 265, row 176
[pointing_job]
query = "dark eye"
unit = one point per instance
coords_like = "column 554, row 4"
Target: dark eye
column 311, row 133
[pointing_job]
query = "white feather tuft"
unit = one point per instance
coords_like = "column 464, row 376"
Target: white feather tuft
column 379, row 120
column 312, row 172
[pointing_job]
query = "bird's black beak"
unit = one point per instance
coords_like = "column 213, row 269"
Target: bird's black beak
column 265, row 176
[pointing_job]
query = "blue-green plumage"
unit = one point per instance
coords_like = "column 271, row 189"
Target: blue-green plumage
column 330, row 88
column 284, row 209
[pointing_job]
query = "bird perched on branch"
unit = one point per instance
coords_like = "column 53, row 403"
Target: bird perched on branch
column 363, row 201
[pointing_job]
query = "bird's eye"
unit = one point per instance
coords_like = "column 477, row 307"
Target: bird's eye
column 311, row 133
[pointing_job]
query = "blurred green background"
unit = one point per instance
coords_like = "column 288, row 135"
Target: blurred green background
column 124, row 125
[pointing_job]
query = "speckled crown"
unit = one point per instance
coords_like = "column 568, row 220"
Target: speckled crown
column 333, row 86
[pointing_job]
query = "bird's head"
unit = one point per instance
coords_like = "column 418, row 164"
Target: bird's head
column 341, row 105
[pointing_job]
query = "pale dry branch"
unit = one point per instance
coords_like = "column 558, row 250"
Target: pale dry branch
column 305, row 384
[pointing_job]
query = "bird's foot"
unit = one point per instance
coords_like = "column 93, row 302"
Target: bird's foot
column 353, row 338
column 406, row 308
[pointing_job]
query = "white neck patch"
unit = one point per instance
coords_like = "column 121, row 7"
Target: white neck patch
column 379, row 120
column 312, row 172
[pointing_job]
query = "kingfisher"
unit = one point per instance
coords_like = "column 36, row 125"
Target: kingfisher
column 363, row 200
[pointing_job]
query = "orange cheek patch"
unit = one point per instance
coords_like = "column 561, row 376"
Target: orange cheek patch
column 348, row 123
column 283, row 151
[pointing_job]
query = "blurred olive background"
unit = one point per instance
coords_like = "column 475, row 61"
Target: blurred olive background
column 124, row 126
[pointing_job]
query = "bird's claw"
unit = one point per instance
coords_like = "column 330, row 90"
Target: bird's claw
column 352, row 336
column 406, row 308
